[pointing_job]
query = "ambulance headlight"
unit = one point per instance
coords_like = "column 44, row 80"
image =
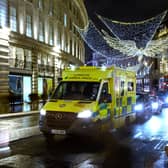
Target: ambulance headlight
column 84, row 114
column 138, row 107
column 42, row 112
column 166, row 99
column 155, row 105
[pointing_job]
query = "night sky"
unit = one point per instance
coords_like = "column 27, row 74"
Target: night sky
column 123, row 10
column 126, row 10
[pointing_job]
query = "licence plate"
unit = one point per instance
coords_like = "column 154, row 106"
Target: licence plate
column 60, row 132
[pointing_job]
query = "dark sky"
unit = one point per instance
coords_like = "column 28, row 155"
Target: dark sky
column 123, row 10
column 126, row 10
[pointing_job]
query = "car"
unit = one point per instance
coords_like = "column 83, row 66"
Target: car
column 156, row 104
column 143, row 107
column 163, row 96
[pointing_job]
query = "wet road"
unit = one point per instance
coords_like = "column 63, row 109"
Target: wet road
column 143, row 147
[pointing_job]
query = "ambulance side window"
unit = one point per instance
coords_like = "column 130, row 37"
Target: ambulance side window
column 130, row 86
column 122, row 88
column 104, row 96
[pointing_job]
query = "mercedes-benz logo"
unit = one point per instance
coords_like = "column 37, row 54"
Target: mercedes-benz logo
column 58, row 116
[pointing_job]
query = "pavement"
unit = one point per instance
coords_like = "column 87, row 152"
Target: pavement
column 18, row 125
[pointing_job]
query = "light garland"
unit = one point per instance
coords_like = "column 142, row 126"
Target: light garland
column 132, row 41
column 95, row 40
column 139, row 32
column 154, row 48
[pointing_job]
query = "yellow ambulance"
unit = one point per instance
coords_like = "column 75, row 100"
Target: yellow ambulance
column 90, row 99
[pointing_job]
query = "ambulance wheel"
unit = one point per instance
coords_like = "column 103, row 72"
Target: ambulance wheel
column 127, row 126
column 98, row 130
column 48, row 137
column 127, row 121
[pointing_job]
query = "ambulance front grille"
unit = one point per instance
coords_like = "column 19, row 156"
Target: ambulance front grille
column 60, row 120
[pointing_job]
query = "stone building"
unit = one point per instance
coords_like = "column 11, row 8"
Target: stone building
column 38, row 40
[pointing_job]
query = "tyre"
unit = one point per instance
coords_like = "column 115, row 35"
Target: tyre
column 48, row 137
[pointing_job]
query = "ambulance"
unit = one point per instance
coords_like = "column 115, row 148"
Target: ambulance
column 89, row 100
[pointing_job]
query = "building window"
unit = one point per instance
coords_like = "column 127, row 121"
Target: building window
column 50, row 60
column 70, row 25
column 19, row 58
column 51, row 34
column 3, row 13
column 30, row 1
column 12, row 56
column 39, row 58
column 29, row 26
column 44, row 59
column 59, row 39
column 28, row 58
column 65, row 19
column 51, row 8
column 70, row 45
column 13, row 19
column 40, row 4
column 41, row 31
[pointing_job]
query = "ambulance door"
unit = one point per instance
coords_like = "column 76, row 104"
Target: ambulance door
column 119, row 88
column 105, row 101
column 119, row 92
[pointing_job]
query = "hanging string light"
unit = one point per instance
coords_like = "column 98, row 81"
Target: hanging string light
column 155, row 48
column 95, row 40
column 139, row 32
column 132, row 41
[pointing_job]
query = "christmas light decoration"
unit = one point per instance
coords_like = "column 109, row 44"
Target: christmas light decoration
column 139, row 32
column 154, row 48
column 95, row 40
column 129, row 42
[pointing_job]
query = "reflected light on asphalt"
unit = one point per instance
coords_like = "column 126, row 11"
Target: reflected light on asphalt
column 86, row 164
column 153, row 125
column 165, row 116
column 4, row 138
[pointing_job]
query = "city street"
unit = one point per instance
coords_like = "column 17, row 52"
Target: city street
column 84, row 84
column 143, row 147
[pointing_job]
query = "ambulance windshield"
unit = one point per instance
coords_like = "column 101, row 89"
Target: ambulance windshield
column 77, row 91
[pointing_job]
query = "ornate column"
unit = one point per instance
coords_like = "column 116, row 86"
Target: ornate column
column 34, row 71
column 56, row 71
column 4, row 70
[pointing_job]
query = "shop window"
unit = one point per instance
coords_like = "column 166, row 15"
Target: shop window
column 16, row 87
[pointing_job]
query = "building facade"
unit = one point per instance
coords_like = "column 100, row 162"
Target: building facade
column 38, row 40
